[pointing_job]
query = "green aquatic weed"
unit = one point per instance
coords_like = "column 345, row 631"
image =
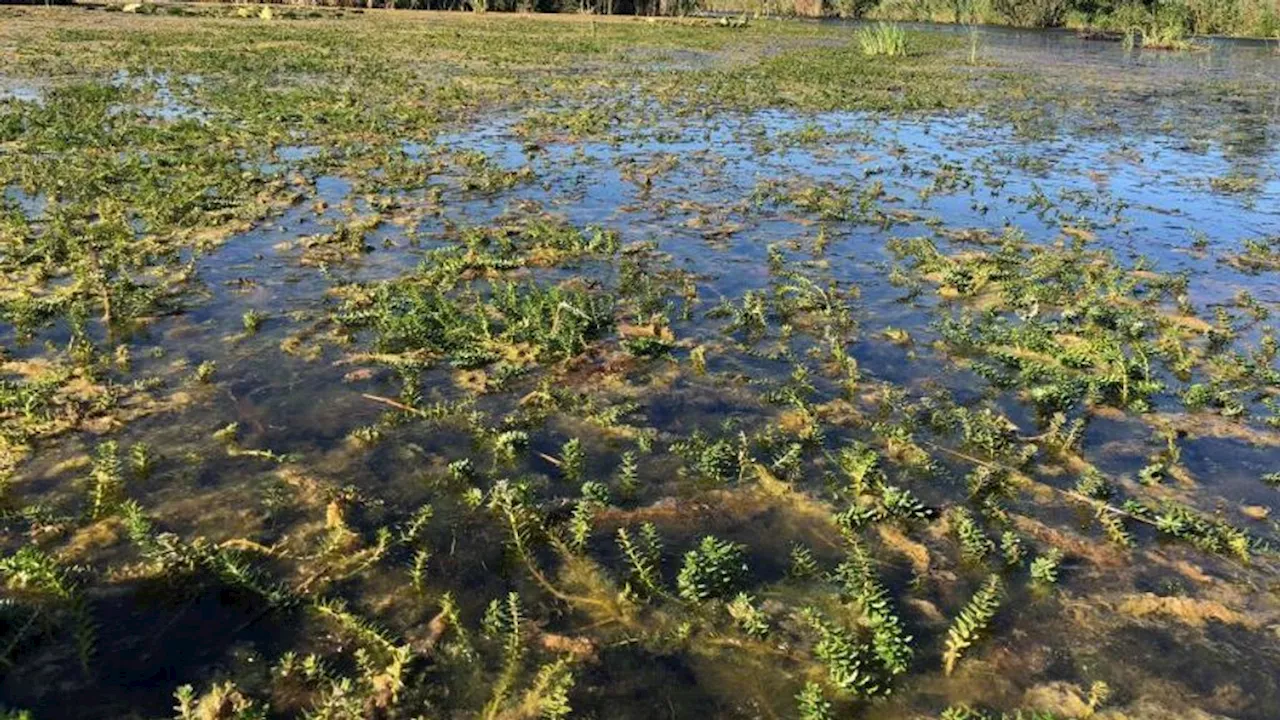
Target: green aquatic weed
column 106, row 481
column 848, row 662
column 889, row 641
column 811, row 704
column 1012, row 548
column 748, row 615
column 56, row 587
column 974, row 543
column 972, row 622
column 713, row 569
column 644, row 557
column 1044, row 568
column 803, row 565
column 572, row 460
column 628, row 474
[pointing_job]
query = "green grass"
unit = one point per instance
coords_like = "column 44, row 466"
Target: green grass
column 883, row 39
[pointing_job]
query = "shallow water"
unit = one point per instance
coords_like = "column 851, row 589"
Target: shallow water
column 1136, row 177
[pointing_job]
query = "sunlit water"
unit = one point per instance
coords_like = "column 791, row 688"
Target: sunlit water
column 1138, row 175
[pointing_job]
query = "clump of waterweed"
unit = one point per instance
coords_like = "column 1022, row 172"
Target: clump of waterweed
column 714, row 569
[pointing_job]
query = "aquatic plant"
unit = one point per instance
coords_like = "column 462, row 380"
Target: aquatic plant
column 811, row 704
column 714, row 569
column 628, row 475
column 595, row 495
column 717, row 460
column 1099, row 693
column 34, row 574
column 572, row 460
column 205, row 370
column 861, row 464
column 1093, row 484
column 1012, row 548
column 1113, row 527
column 964, row 712
column 106, row 481
column 974, row 543
column 142, row 460
column 847, row 661
column 549, row 692
column 644, row 558
column 1063, row 436
column 1044, row 568
column 972, row 622
column 438, row 313
column 418, row 570
column 902, row 504
column 1180, row 521
column 223, row 699
column 889, row 640
column 508, row 444
column 504, row 622
column 747, row 614
column 558, row 321
column 252, row 321
column 803, row 564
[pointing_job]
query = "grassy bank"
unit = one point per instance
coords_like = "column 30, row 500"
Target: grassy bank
column 1168, row 18
column 1239, row 18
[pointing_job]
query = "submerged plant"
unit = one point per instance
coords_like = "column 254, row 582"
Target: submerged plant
column 628, row 475
column 803, row 565
column 747, row 614
column 142, row 460
column 1012, row 548
column 812, row 705
column 222, row 700
column 714, row 569
column 526, row 339
column 106, row 482
column 549, row 692
column 1185, row 523
column 848, row 661
column 1044, row 569
column 644, row 557
column 974, row 543
column 572, row 460
column 972, row 622
column 717, row 461
column 32, row 573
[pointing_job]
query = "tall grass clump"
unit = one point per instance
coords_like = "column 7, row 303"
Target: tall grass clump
column 885, row 39
column 1160, row 31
